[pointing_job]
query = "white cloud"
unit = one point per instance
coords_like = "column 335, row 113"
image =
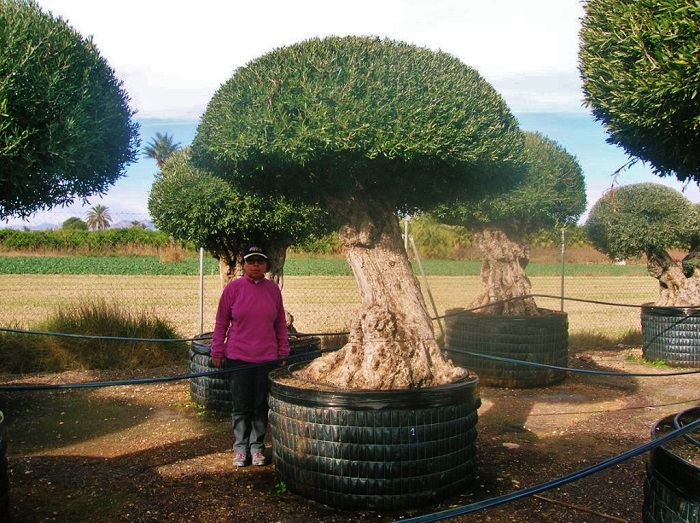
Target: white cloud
column 173, row 56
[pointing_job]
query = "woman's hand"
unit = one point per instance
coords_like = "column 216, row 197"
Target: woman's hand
column 217, row 363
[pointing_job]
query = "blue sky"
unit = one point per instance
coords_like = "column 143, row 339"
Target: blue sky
column 172, row 57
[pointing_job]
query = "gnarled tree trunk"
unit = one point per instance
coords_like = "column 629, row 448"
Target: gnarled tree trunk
column 391, row 343
column 676, row 287
column 503, row 276
column 230, row 268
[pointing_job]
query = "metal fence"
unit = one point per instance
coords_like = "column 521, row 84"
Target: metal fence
column 603, row 305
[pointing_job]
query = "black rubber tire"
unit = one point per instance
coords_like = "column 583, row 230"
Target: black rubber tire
column 538, row 339
column 4, row 477
column 672, row 486
column 671, row 335
column 213, row 392
column 376, row 450
column 303, row 348
column 202, row 344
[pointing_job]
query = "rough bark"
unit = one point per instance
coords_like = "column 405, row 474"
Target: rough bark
column 676, row 287
column 230, row 268
column 391, row 343
column 503, row 276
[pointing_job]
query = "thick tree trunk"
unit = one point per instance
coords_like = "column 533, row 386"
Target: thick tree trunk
column 503, row 276
column 391, row 343
column 676, row 289
column 230, row 268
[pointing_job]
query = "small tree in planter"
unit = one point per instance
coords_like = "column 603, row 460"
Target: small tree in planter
column 366, row 128
column 551, row 193
column 648, row 219
column 192, row 205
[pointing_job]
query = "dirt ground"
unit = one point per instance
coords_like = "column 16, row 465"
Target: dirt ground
column 145, row 453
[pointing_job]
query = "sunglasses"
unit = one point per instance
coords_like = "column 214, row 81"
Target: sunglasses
column 255, row 261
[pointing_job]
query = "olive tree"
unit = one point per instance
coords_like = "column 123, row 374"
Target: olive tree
column 365, row 128
column 66, row 129
column 649, row 219
column 551, row 193
column 74, row 224
column 192, row 205
column 639, row 64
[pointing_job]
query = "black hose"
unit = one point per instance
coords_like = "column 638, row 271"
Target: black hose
column 519, row 494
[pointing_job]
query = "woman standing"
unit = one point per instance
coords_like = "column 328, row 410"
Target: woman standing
column 250, row 337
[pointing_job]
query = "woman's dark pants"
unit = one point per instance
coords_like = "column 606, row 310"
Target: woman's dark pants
column 249, row 389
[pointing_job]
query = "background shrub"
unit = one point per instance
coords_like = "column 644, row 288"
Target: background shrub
column 33, row 353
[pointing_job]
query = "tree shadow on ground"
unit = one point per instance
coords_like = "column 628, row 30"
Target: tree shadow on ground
column 160, row 459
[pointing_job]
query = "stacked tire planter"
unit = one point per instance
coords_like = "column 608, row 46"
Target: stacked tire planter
column 671, row 335
column 213, row 392
column 369, row 449
column 540, row 339
column 672, row 487
column 4, row 478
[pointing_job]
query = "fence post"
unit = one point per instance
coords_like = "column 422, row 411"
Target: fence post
column 427, row 287
column 201, row 291
column 563, row 266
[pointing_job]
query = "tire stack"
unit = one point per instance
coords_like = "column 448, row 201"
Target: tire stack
column 213, row 392
column 303, row 348
column 672, row 486
column 671, row 335
column 377, row 450
column 540, row 339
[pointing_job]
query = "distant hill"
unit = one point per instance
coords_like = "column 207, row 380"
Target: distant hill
column 44, row 226
column 123, row 224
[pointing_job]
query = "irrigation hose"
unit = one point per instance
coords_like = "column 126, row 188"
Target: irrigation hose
column 143, row 381
column 677, row 422
column 199, row 338
column 569, row 369
column 530, row 491
column 126, row 338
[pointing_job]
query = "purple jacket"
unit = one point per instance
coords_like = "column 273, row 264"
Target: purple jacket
column 250, row 322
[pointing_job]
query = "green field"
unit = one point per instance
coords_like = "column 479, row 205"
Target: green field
column 319, row 291
column 319, row 303
column 337, row 266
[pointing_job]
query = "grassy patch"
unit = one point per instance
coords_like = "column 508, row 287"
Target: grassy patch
column 20, row 353
column 637, row 358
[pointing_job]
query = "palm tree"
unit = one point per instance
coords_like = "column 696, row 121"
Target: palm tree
column 98, row 218
column 160, row 148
